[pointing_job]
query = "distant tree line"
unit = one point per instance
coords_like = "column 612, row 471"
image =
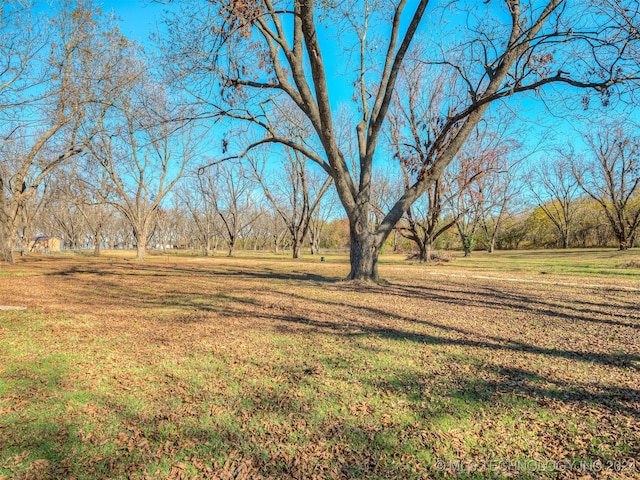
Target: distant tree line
column 228, row 137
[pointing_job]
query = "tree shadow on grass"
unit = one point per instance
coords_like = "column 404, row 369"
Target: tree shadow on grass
column 255, row 436
column 491, row 297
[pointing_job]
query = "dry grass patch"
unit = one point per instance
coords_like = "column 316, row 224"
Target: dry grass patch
column 249, row 368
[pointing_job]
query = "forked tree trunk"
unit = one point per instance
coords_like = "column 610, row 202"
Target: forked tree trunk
column 297, row 237
column 315, row 231
column 297, row 247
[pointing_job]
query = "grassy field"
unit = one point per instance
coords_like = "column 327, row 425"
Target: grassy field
column 512, row 365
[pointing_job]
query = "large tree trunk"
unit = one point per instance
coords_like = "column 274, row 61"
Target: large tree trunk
column 425, row 250
column 297, row 247
column 141, row 242
column 296, row 250
column 364, row 258
column 623, row 243
column 6, row 243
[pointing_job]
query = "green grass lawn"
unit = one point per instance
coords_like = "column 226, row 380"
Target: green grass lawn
column 580, row 262
column 264, row 367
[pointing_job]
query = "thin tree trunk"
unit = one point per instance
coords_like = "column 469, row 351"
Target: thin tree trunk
column 8, row 230
column 96, row 246
column 24, row 245
column 466, row 244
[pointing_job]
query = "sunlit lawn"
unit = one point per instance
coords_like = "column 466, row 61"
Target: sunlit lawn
column 522, row 364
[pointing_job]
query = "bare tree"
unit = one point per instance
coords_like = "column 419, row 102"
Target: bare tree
column 294, row 199
column 611, row 177
column 231, row 194
column 254, row 53
column 500, row 194
column 144, row 145
column 423, row 223
column 556, row 189
column 478, row 167
column 320, row 219
column 50, row 86
column 195, row 197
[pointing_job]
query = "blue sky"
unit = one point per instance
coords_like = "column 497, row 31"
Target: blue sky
column 141, row 17
column 138, row 18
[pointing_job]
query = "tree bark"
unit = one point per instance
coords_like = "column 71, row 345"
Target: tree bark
column 467, row 241
column 141, row 242
column 24, row 245
column 96, row 245
column 6, row 243
column 364, row 254
column 425, row 252
column 297, row 247
column 492, row 245
column 314, row 234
